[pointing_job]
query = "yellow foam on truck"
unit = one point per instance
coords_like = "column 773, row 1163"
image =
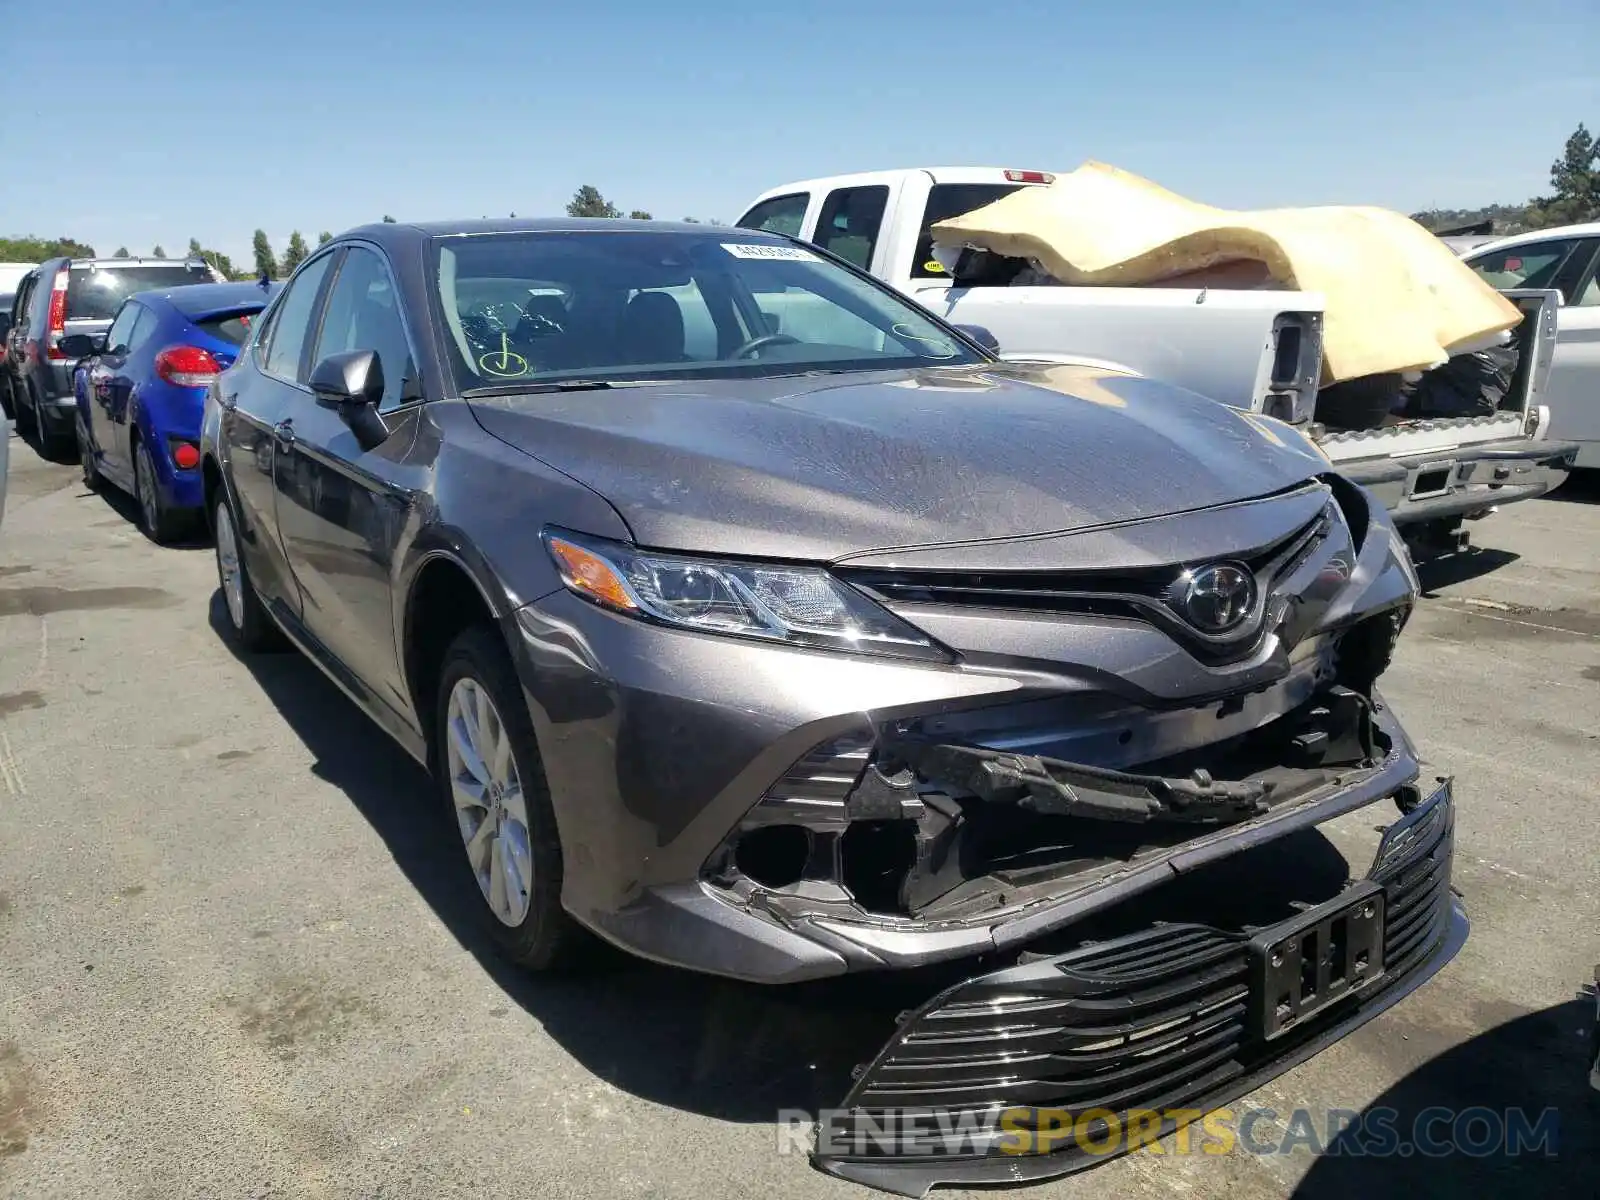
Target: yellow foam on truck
column 1397, row 298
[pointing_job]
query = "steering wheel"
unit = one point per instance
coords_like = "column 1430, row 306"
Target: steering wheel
column 765, row 339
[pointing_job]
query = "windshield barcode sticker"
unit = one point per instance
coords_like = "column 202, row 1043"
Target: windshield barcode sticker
column 768, row 250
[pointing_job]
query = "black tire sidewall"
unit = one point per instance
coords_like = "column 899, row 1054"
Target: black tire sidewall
column 91, row 473
column 156, row 525
column 544, row 938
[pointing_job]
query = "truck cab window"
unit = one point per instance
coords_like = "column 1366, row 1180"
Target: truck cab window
column 781, row 214
column 849, row 223
column 946, row 200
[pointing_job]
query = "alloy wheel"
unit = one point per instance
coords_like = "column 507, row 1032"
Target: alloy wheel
column 487, row 792
column 228, row 565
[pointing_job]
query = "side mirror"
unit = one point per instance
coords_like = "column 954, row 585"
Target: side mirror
column 82, row 345
column 982, row 336
column 351, row 383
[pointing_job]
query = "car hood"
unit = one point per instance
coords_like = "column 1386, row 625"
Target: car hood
column 823, row 466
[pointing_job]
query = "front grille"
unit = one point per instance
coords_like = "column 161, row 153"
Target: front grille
column 1142, row 1016
column 1154, row 1021
column 1135, row 593
column 1414, row 868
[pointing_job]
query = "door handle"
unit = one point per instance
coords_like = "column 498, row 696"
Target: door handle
column 283, row 434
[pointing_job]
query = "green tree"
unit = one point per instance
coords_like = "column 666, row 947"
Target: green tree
column 1574, row 182
column 639, row 214
column 122, row 252
column 588, row 202
column 324, row 238
column 194, row 248
column 691, row 220
column 221, row 262
column 266, row 264
column 158, row 252
column 294, row 254
column 35, row 249
column 388, row 220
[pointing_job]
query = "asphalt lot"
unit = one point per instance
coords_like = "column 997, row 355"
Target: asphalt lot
column 232, row 966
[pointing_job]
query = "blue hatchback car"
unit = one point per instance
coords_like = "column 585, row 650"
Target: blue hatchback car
column 141, row 386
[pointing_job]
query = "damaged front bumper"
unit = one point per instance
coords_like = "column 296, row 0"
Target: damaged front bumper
column 1042, row 1069
column 815, row 928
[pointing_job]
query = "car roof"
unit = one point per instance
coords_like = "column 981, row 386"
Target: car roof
column 1587, row 229
column 200, row 300
column 388, row 230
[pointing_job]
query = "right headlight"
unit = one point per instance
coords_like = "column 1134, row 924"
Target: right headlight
column 797, row 605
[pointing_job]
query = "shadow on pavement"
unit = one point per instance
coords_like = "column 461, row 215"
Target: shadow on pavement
column 1437, row 573
column 1533, row 1063
column 126, row 507
column 1581, row 487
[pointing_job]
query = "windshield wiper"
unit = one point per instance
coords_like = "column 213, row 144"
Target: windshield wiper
column 536, row 386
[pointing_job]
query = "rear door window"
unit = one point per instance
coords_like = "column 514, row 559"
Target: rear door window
column 93, row 293
column 946, row 200
column 119, row 337
column 850, row 221
column 144, row 329
column 781, row 214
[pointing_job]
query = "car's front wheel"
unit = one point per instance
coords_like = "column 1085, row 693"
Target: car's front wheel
column 492, row 782
column 248, row 621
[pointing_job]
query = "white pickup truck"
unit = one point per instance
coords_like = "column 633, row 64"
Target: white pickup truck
column 1258, row 348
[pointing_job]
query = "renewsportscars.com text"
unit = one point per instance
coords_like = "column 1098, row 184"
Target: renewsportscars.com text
column 1478, row 1132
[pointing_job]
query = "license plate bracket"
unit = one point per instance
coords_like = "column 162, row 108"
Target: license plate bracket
column 1322, row 956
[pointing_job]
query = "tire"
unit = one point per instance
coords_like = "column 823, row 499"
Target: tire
column 27, row 418
column 1358, row 403
column 541, row 936
column 248, row 622
column 91, row 471
column 161, row 524
column 8, row 401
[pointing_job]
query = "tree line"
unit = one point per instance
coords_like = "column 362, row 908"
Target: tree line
column 586, row 202
column 1574, row 196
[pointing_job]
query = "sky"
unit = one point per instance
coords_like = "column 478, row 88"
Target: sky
column 138, row 124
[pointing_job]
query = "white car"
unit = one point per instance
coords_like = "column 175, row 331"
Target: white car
column 1566, row 259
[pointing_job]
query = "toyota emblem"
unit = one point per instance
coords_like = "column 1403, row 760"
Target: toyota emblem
column 1217, row 598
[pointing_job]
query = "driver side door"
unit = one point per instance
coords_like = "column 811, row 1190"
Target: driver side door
column 342, row 505
column 104, row 394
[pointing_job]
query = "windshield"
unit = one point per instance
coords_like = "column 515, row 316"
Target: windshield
column 668, row 305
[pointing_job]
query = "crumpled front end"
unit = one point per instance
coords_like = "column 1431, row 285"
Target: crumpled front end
column 1067, row 1059
column 1139, row 744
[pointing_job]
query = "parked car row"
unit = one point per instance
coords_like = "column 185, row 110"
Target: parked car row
column 754, row 619
column 58, row 298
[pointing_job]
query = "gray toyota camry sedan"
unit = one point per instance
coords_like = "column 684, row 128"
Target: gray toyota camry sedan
column 757, row 622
